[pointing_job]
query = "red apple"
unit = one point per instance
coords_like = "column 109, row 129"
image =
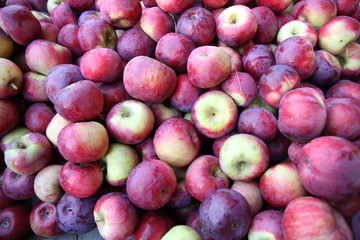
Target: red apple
column 267, row 24
column 62, row 15
column 18, row 187
column 38, row 116
column 316, row 12
column 344, row 88
column 346, row 7
column 15, row 133
column 297, row 28
column 251, row 192
column 34, row 89
column 349, row 60
column 163, row 112
column 14, row 222
column 68, row 37
column 275, row 5
column 80, row 5
column 173, row 6
column 5, row 201
column 121, row 14
column 266, row 224
column 153, row 225
column 11, row 79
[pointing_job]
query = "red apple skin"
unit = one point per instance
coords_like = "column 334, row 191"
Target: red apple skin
column 116, row 217
column 96, row 33
column 146, row 149
column 90, row 175
column 267, row 24
column 182, row 198
column 174, row 6
column 280, row 184
column 37, row 117
column 349, row 59
column 297, row 52
column 184, row 139
column 83, row 142
column 163, row 112
column 193, row 221
column 49, row 32
column 235, row 58
column 19, row 23
column 204, row 176
column 296, row 104
column 14, row 222
column 241, row 87
column 278, row 148
column 266, row 222
column 43, row 220
column 274, row 5
column 60, row 77
column 355, row 223
column 134, row 42
column 346, row 7
column 276, row 82
column 113, row 93
column 348, row 208
column 251, row 192
column 39, row 5
column 18, row 187
column 338, row 181
column 68, row 37
column 218, row 142
column 142, row 70
column 62, row 15
column 24, row 3
column 343, row 118
column 173, row 49
column 248, row 3
column 356, row 14
column 41, row 56
column 259, row 122
column 215, row 66
column 185, row 94
column 257, row 59
column 294, row 152
column 155, row 175
column 11, row 79
column 235, row 32
column 15, row 133
column 80, row 5
column 33, row 88
column 80, row 101
column 153, row 225
column 344, row 89
column 87, row 15
column 310, row 11
column 5, row 201
column 121, row 14
column 213, row 4
column 328, row 70
column 283, row 18
column 198, row 24
column 102, row 65
column 312, row 218
column 149, row 3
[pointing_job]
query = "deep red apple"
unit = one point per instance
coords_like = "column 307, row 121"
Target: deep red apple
column 14, row 223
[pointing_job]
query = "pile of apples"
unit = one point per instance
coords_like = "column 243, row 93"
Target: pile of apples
column 168, row 119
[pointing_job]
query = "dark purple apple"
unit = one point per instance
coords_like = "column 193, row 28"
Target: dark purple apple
column 18, row 187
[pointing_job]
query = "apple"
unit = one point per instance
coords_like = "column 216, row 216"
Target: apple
column 113, row 93
column 142, row 70
column 17, row 187
column 193, row 221
column 153, row 224
column 173, row 6
column 208, row 66
column 244, row 157
column 328, row 70
column 27, row 154
column 266, row 225
column 248, row 3
column 54, row 127
column 19, row 23
column 296, row 104
column 355, row 223
column 179, row 232
column 181, row 198
column 7, row 45
column 337, row 33
column 232, row 221
column 121, row 14
column 43, row 220
column 313, row 218
column 346, row 7
column 41, row 56
column 15, row 133
column 130, row 121
column 297, row 52
column 33, row 88
column 197, row 24
column 343, row 118
column 156, row 23
column 14, row 222
column 146, row 149
column 96, row 33
column 75, row 215
column 297, row 28
column 42, row 16
column 62, row 15
column 80, row 6
column 46, row 184
column 257, row 59
column 51, row 4
column 80, row 101
column 163, row 112
column 37, row 117
column 215, row 4
column 60, row 77
column 241, row 87
column 280, row 184
column 235, row 58
column 348, row 208
column 89, row 14
column 89, row 174
column 294, row 152
column 5, row 201
column 155, row 175
column 115, row 216
column 173, row 49
column 338, row 181
column 24, row 3
column 135, row 42
column 283, row 18
column 267, row 24
column 11, row 79
column 102, row 65
column 278, row 148
column 259, row 122
column 211, row 121
column 68, row 37
column 277, row 6
column 118, row 163
column 344, row 88
column 350, row 62
column 251, row 192
column 83, row 142
column 204, row 176
column 236, row 25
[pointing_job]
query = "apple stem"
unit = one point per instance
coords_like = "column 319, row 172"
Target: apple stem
column 13, row 86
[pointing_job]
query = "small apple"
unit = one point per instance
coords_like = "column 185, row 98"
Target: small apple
column 121, row 14
column 266, row 224
column 14, row 222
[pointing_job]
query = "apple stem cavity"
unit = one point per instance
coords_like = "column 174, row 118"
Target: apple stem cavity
column 12, row 85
